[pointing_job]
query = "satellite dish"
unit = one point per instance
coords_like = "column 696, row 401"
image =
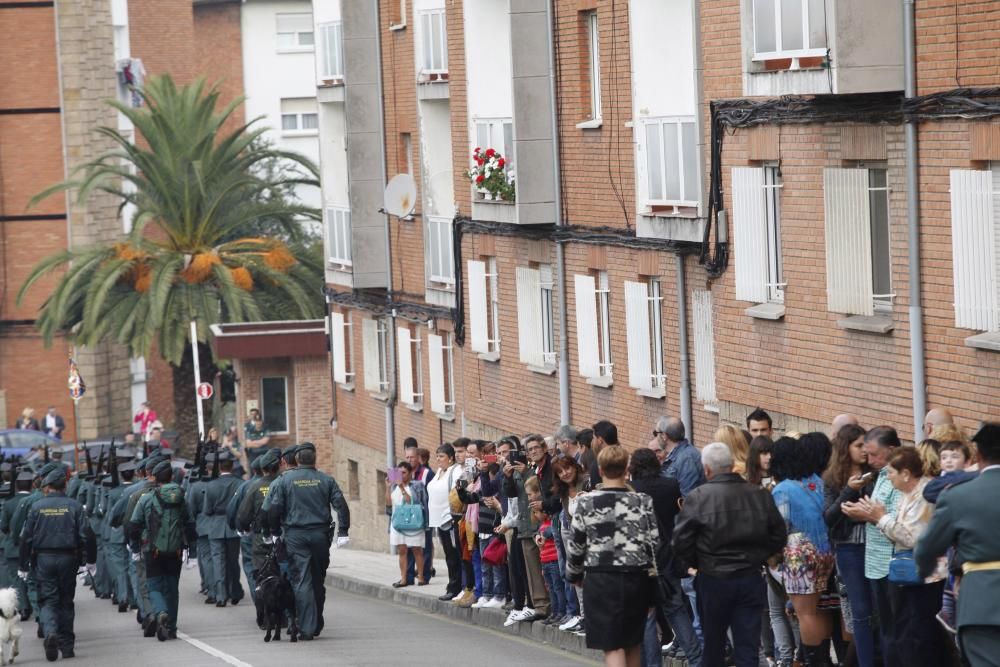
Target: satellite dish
column 401, row 196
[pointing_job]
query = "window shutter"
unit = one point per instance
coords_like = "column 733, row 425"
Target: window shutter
column 973, row 249
column 848, row 241
column 529, row 316
column 640, row 373
column 435, row 363
column 404, row 351
column 750, row 234
column 339, row 353
column 586, row 326
column 369, row 343
column 477, row 307
column 704, row 346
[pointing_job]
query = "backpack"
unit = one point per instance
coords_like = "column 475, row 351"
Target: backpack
column 166, row 534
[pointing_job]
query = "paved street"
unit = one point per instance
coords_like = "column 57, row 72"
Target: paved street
column 359, row 631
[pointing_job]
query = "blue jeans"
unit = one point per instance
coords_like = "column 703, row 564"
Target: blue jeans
column 163, row 574
column 782, row 625
column 678, row 615
column 494, row 576
column 687, row 583
column 557, row 588
column 477, row 569
column 851, row 569
column 735, row 604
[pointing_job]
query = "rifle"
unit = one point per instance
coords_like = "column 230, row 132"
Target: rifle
column 215, row 462
column 90, row 461
column 115, row 481
column 199, row 454
column 145, row 449
column 46, row 459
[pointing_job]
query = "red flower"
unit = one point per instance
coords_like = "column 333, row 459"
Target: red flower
column 501, row 163
column 480, row 161
column 477, row 149
column 490, row 152
column 480, row 178
column 812, row 486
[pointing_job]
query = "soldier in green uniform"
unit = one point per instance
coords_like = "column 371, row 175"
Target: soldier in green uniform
column 246, row 539
column 250, row 518
column 147, row 618
column 16, row 528
column 119, row 518
column 195, row 498
column 117, row 552
column 223, row 540
column 23, row 484
column 300, row 504
column 92, row 508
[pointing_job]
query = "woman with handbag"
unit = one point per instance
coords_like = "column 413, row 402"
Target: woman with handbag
column 914, row 600
column 408, row 499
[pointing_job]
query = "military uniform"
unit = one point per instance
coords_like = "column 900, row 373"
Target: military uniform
column 250, row 518
column 56, row 537
column 117, row 552
column 138, row 565
column 246, row 538
column 195, row 501
column 223, row 540
column 11, row 552
column 300, row 503
column 16, row 527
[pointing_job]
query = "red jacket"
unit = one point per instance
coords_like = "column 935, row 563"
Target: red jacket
column 548, row 551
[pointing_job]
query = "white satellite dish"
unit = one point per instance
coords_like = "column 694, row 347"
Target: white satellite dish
column 400, row 196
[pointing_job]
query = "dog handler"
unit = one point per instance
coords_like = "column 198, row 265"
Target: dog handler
column 55, row 540
column 300, row 504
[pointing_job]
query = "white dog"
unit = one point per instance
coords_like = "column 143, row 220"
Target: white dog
column 10, row 625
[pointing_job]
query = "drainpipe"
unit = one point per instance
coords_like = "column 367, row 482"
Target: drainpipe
column 918, row 379
column 563, row 365
column 682, row 342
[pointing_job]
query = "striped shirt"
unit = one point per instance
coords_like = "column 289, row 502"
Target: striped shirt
column 878, row 548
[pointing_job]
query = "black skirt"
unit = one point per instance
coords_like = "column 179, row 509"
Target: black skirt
column 615, row 605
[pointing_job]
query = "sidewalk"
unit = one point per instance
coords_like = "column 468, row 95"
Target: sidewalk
column 371, row 574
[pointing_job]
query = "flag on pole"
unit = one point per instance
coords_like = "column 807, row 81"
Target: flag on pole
column 77, row 386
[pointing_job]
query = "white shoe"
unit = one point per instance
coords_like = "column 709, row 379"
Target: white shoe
column 527, row 614
column 570, row 624
column 480, row 603
column 494, row 603
column 512, row 618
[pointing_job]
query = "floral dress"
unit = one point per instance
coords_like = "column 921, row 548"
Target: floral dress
column 808, row 558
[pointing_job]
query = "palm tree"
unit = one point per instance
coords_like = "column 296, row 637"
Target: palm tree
column 195, row 189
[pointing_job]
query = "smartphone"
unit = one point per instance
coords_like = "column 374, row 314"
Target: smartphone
column 490, row 458
column 394, row 475
column 867, row 476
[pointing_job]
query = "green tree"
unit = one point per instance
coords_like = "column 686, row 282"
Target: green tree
column 201, row 197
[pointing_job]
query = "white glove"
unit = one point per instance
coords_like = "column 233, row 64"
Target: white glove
column 241, row 534
column 92, row 568
column 23, row 574
column 136, row 557
column 343, row 541
column 191, row 563
column 268, row 539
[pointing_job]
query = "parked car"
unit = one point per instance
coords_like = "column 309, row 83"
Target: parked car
column 21, row 442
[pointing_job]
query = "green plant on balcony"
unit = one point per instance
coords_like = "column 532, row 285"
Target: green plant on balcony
column 491, row 175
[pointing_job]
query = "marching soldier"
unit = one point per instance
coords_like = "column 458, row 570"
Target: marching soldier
column 223, row 540
column 250, row 518
column 147, row 617
column 120, row 517
column 246, row 539
column 56, row 541
column 300, row 504
column 196, row 501
column 23, row 484
column 16, row 527
column 117, row 552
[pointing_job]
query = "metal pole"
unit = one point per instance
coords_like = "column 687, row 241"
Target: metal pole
column 76, row 440
column 683, row 344
column 197, row 379
column 917, row 370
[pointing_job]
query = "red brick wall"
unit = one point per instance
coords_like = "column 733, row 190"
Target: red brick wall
column 161, row 33
column 20, row 349
column 218, row 53
column 956, row 44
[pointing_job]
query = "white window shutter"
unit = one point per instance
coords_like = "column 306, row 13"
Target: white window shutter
column 529, row 316
column 750, row 234
column 404, row 352
column 369, row 343
column 586, row 326
column 640, row 374
column 435, row 363
column 339, row 353
column 477, row 307
column 973, row 247
column 704, row 346
column 848, row 241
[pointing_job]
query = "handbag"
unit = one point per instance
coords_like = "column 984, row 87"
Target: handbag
column 408, row 518
column 903, row 569
column 495, row 553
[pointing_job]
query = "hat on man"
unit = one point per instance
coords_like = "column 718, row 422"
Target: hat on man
column 128, row 466
column 49, row 467
column 54, row 477
column 255, row 464
column 125, row 453
column 267, row 459
column 25, row 476
column 305, row 445
column 160, row 467
column 289, row 453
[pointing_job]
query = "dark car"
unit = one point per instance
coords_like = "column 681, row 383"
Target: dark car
column 20, row 442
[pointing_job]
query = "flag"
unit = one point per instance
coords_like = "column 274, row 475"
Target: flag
column 77, row 386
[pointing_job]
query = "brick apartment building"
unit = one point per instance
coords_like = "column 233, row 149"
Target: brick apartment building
column 613, row 266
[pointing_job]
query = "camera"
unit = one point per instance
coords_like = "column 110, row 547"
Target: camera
column 516, row 457
column 462, row 484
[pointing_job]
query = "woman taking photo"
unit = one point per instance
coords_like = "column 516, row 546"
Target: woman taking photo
column 917, row 635
column 616, row 572
column 399, row 495
column 447, row 473
column 846, row 479
column 807, row 558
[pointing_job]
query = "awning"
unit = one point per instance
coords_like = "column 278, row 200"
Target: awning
column 263, row 340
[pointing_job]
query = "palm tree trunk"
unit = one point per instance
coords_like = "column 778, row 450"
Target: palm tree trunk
column 185, row 410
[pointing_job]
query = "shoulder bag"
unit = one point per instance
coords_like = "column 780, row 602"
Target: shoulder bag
column 903, row 569
column 408, row 518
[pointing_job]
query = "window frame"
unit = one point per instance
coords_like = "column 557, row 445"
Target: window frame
column 882, row 301
column 298, row 46
column 448, row 370
column 382, row 339
column 441, row 246
column 325, row 51
column 807, row 50
column 492, row 307
column 655, row 298
column 345, row 261
column 430, row 49
column 676, row 123
column 594, row 73
column 546, row 286
column 602, row 300
column 284, row 380
column 491, row 125
column 350, row 374
column 299, row 130
column 772, row 212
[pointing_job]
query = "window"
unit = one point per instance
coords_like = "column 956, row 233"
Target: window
column 498, row 134
column 274, row 404
column 374, row 337
column 789, row 29
column 342, row 348
column 645, row 337
column 439, row 246
column 331, row 45
column 397, row 14
column 298, row 116
column 353, row 481
column 548, row 327
column 535, row 337
column 408, row 349
column 756, row 228
column 439, row 360
column 119, row 25
column 484, row 307
column 671, row 161
column 593, row 320
column 338, row 237
column 433, row 40
column 856, row 223
column 975, row 241
column 593, row 44
column 704, row 346
column 295, row 32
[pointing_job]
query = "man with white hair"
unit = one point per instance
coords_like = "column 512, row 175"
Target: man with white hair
column 840, row 421
column 726, row 530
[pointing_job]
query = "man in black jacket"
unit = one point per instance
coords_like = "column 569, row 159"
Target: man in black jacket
column 726, row 531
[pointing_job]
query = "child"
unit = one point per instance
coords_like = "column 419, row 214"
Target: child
column 550, row 571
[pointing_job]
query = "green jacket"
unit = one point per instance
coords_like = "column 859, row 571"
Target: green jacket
column 138, row 528
column 6, row 524
column 302, row 500
column 967, row 517
column 21, row 514
column 218, row 493
column 115, row 535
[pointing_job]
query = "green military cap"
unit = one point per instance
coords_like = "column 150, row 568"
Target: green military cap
column 128, row 466
column 267, row 459
column 160, row 467
column 305, row 445
column 255, row 464
column 25, row 476
column 289, row 452
column 54, row 477
column 49, row 467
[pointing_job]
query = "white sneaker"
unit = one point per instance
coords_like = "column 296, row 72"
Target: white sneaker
column 512, row 618
column 480, row 603
column 527, row 614
column 570, row 624
column 494, row 603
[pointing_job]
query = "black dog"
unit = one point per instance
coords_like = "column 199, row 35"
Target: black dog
column 275, row 601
